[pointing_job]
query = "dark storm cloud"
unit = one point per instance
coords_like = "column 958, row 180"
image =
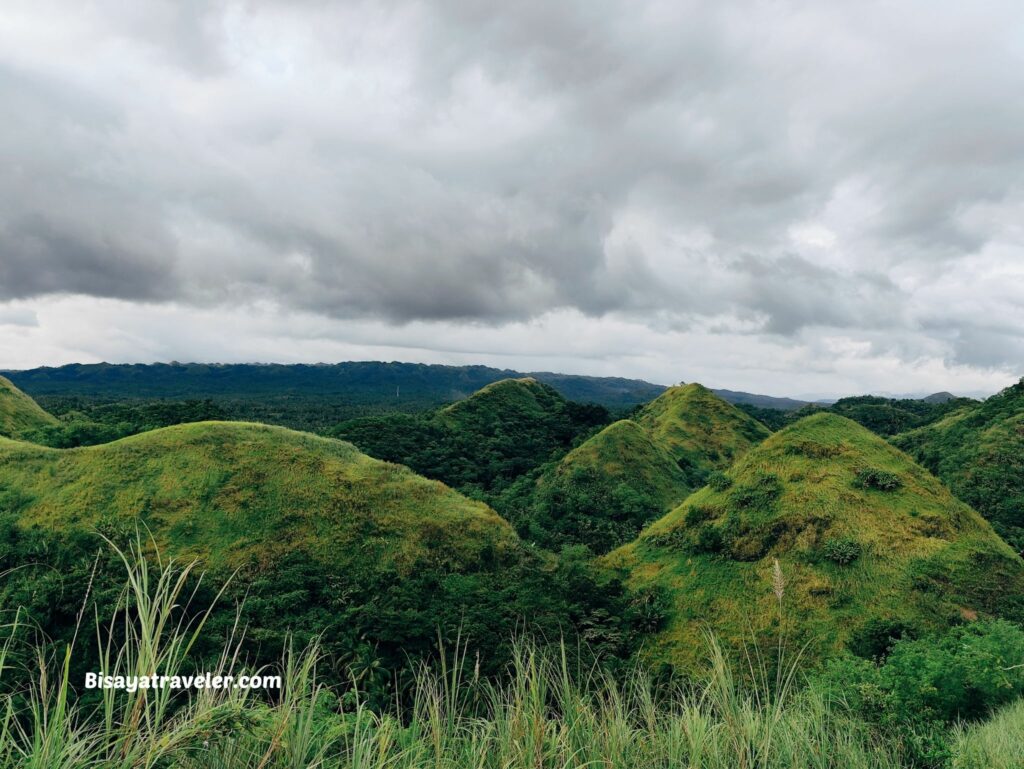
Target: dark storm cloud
column 785, row 165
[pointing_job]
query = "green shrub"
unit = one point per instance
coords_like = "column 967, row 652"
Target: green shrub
column 875, row 638
column 759, row 494
column 719, row 481
column 925, row 686
column 962, row 674
column 813, row 449
column 708, row 539
column 882, row 480
column 697, row 514
column 842, row 550
column 965, row 674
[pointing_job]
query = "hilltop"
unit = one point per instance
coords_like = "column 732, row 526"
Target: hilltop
column 699, row 430
column 978, row 451
column 20, row 416
column 484, row 442
column 865, row 539
column 603, row 492
column 237, row 493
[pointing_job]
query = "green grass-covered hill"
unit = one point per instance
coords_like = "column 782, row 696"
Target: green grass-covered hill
column 237, row 493
column 604, row 491
column 979, row 452
column 482, row 443
column 864, row 538
column 322, row 542
column 19, row 414
column 699, row 430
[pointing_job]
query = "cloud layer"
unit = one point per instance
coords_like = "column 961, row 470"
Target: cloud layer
column 839, row 180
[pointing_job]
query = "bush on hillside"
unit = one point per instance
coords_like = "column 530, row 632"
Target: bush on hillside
column 875, row 639
column 697, row 514
column 882, row 480
column 842, row 550
column 924, row 686
column 760, row 494
column 813, row 449
column 962, row 674
column 719, row 481
column 708, row 540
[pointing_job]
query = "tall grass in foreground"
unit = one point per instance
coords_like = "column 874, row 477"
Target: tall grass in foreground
column 995, row 744
column 543, row 715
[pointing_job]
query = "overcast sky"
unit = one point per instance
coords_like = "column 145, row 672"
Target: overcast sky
column 786, row 197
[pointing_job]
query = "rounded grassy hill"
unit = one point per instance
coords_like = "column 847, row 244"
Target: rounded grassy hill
column 483, row 443
column 700, row 431
column 236, row 493
column 979, row 452
column 603, row 492
column 862, row 536
column 19, row 414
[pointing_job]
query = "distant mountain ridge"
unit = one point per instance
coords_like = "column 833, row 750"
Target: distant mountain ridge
column 421, row 384
column 413, row 384
column 375, row 384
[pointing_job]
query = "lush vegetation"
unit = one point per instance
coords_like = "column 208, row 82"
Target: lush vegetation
column 544, row 711
column 481, row 444
column 856, row 532
column 979, row 452
column 83, row 422
column 812, row 598
column 305, row 397
column 19, row 414
column 603, row 492
column 884, row 416
column 323, row 540
column 888, row 416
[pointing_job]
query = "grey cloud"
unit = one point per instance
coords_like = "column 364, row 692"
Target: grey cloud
column 792, row 293
column 440, row 160
column 42, row 256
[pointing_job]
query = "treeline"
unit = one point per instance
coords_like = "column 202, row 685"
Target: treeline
column 883, row 416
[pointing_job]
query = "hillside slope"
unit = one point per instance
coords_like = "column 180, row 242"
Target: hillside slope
column 236, row 493
column 979, row 452
column 482, row 443
column 19, row 414
column 322, row 542
column 699, row 430
column 863, row 537
column 603, row 492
